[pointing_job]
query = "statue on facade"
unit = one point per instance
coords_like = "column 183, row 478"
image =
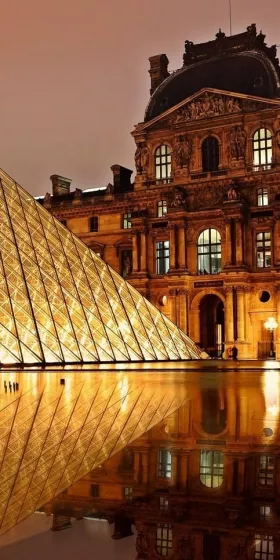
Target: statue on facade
column 110, row 188
column 182, row 151
column 141, row 158
column 207, row 106
column 177, row 198
column 138, row 159
column 142, row 543
column 78, row 193
column 127, row 266
column 184, row 549
column 232, row 194
column 237, row 143
column 47, row 198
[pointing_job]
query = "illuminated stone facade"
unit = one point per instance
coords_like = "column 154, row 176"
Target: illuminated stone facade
column 198, row 230
column 209, row 474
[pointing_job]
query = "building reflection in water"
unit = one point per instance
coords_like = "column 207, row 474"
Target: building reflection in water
column 202, row 484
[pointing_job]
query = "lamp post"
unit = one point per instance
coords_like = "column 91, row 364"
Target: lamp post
column 270, row 325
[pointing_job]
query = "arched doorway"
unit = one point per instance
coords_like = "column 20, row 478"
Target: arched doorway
column 212, row 325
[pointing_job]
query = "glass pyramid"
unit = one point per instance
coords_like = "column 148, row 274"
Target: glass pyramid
column 60, row 303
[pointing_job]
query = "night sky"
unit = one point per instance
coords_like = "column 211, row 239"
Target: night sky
column 74, row 77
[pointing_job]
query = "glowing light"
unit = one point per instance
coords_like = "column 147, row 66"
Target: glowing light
column 271, row 324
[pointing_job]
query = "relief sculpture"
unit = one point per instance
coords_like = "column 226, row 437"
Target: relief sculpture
column 208, row 106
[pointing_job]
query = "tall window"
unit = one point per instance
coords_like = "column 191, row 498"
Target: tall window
column 164, row 463
column 93, row 223
column 210, row 154
column 163, row 162
column 127, row 220
column 266, row 470
column 128, row 493
column 209, row 252
column 164, row 540
column 262, row 147
column 162, row 257
column 161, row 208
column 262, row 197
column 263, row 242
column 264, row 548
column 163, row 503
column 265, row 513
column 211, row 468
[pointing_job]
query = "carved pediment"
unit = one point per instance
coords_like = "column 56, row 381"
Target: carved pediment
column 209, row 104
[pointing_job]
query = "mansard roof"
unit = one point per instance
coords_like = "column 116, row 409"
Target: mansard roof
column 241, row 63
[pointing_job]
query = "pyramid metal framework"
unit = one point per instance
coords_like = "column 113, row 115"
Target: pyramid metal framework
column 60, row 303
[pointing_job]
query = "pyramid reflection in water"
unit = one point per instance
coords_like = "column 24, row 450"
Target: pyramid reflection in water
column 60, row 303
column 53, row 435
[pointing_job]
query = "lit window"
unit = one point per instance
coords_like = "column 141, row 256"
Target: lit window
column 164, row 463
column 264, row 548
column 210, row 154
column 163, row 503
column 163, row 163
column 126, row 262
column 164, row 540
column 93, row 223
column 161, row 208
column 266, row 470
column 128, row 491
column 265, row 512
column 262, row 148
column 162, row 257
column 263, row 242
column 209, row 252
column 262, row 197
column 94, row 490
column 211, row 468
column 127, row 221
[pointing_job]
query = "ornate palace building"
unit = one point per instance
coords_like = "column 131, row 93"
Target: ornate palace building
column 202, row 485
column 198, row 231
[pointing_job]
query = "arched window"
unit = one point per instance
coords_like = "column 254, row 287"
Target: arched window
column 262, row 147
column 209, row 252
column 211, row 468
column 163, row 162
column 210, row 154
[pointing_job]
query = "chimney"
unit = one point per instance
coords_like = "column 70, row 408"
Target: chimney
column 158, row 70
column 60, row 185
column 121, row 178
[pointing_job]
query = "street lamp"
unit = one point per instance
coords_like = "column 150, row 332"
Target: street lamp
column 270, row 325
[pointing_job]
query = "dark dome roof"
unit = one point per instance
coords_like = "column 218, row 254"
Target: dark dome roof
column 250, row 72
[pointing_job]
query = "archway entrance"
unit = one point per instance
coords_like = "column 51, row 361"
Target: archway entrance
column 212, row 325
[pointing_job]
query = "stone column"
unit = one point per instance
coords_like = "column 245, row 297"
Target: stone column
column 136, row 461
column 276, row 239
column 135, row 256
column 239, row 242
column 229, row 315
column 144, row 457
column 277, row 333
column 143, row 260
column 173, row 295
column 182, row 246
column 172, row 247
column 240, row 313
column 182, row 323
column 174, row 472
column 183, row 470
column 228, row 259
